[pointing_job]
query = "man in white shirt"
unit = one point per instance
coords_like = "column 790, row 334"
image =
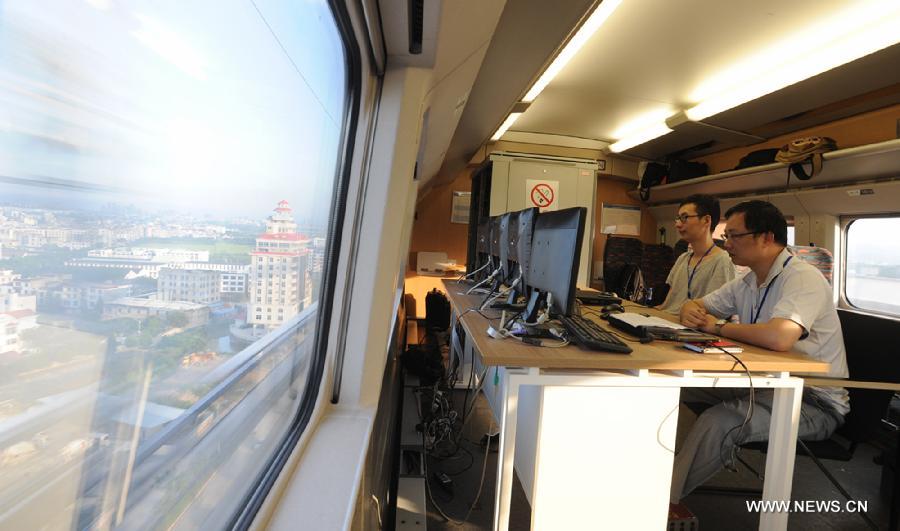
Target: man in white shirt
column 706, row 267
column 782, row 304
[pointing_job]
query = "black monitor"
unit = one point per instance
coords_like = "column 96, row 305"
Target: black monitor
column 555, row 256
column 495, row 238
column 524, row 236
column 509, row 235
column 483, row 245
column 482, row 249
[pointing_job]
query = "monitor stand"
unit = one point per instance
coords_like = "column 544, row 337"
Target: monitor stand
column 536, row 302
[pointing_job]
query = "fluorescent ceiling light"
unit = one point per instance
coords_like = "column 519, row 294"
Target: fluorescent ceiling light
column 850, row 35
column 640, row 137
column 643, row 121
column 511, row 119
column 591, row 25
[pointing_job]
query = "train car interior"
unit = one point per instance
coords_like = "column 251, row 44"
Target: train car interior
column 406, row 264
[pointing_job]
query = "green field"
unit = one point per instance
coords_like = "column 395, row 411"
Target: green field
column 232, row 251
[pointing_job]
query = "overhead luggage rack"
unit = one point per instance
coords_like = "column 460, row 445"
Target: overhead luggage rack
column 861, row 163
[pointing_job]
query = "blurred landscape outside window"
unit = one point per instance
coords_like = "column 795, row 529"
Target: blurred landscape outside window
column 166, row 180
column 873, row 265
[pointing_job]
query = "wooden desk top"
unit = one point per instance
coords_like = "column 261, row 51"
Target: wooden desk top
column 658, row 355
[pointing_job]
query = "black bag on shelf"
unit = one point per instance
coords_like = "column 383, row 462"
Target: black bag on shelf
column 681, row 170
column 654, row 174
column 757, row 158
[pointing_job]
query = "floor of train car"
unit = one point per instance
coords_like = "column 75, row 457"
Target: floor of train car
column 861, row 477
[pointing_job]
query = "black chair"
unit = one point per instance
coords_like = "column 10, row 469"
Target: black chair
column 656, row 262
column 873, row 367
column 619, row 252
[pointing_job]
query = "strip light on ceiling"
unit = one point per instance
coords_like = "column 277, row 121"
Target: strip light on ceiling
column 863, row 29
column 590, row 26
column 842, row 39
column 640, row 137
column 511, row 119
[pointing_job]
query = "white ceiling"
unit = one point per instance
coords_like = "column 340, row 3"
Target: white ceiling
column 653, row 57
column 650, row 59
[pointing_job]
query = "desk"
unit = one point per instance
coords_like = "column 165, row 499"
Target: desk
column 596, row 431
column 416, row 287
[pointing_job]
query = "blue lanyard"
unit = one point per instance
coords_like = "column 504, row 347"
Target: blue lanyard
column 766, row 294
column 694, row 272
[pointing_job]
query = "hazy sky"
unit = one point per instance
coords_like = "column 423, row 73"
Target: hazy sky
column 194, row 105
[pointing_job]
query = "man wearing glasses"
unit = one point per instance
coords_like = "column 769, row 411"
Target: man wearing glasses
column 781, row 304
column 704, row 268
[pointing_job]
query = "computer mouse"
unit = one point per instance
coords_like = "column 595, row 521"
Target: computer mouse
column 613, row 308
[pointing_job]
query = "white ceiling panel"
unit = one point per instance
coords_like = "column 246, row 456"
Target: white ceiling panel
column 654, row 55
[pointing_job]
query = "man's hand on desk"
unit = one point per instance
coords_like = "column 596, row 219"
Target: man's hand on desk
column 694, row 315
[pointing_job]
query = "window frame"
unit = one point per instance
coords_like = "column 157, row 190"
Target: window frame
column 253, row 501
column 844, row 303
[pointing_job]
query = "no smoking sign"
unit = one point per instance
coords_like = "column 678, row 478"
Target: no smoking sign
column 542, row 194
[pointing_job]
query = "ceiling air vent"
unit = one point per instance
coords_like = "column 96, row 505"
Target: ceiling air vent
column 416, row 23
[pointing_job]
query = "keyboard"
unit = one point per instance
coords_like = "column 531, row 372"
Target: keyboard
column 589, row 335
column 596, row 298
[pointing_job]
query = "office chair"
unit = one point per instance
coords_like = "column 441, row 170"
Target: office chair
column 869, row 361
column 619, row 252
column 819, row 257
column 656, row 262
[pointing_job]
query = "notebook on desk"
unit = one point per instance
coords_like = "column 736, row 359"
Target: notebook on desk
column 640, row 325
column 633, row 323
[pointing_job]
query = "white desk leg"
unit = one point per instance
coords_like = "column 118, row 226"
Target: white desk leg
column 506, row 451
column 782, row 450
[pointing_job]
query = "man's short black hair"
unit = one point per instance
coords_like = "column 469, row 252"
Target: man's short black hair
column 706, row 205
column 762, row 217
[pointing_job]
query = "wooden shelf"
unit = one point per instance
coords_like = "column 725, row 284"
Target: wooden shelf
column 856, row 164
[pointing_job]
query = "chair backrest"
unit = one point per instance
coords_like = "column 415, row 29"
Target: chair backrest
column 871, row 356
column 656, row 262
column 619, row 251
column 818, row 257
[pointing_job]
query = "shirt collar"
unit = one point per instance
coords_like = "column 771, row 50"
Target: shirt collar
column 775, row 270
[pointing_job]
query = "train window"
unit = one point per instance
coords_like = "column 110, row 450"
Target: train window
column 872, row 279
column 146, row 149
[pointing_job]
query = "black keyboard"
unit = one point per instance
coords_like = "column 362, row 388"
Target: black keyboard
column 588, row 334
column 596, row 298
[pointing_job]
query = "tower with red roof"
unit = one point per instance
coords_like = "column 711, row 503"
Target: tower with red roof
column 280, row 285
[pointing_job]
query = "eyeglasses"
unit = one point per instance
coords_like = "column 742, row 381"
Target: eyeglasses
column 727, row 236
column 684, row 217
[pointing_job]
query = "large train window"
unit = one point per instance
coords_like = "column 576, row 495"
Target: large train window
column 872, row 265
column 167, row 172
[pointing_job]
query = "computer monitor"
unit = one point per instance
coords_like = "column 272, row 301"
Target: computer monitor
column 509, row 236
column 555, row 256
column 482, row 249
column 479, row 211
column 483, row 244
column 524, row 236
column 495, row 239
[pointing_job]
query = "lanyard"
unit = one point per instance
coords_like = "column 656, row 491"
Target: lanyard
column 694, row 272
column 766, row 294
